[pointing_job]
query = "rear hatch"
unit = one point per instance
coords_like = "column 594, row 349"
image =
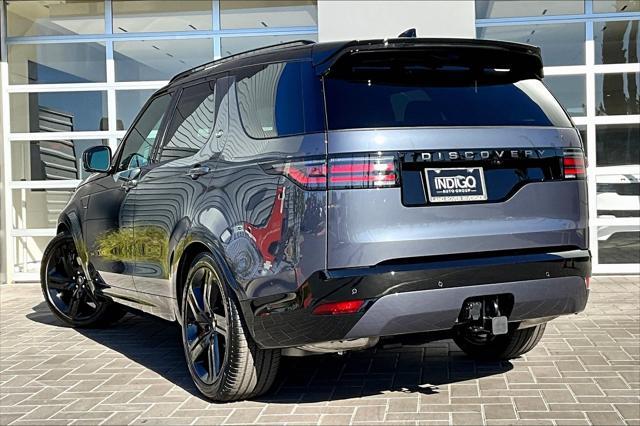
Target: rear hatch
column 447, row 148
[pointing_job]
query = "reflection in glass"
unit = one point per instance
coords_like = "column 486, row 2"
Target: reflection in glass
column 159, row 59
column 508, row 9
column 268, row 13
column 618, row 192
column 617, row 94
column 233, row 45
column 619, row 244
column 58, row 111
column 140, row 141
column 561, row 44
column 128, row 104
column 617, row 42
column 618, row 172
column 49, row 160
column 57, row 63
column 617, row 145
column 54, row 17
column 27, row 252
column 38, row 208
column 161, row 15
column 570, row 91
column 613, row 6
column 583, row 135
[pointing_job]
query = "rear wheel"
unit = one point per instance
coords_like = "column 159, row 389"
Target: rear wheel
column 66, row 290
column 223, row 360
column 506, row 346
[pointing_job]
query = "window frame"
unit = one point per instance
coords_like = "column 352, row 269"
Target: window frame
column 161, row 130
column 234, row 74
column 157, row 150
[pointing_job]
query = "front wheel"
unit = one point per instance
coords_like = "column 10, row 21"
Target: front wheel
column 506, row 346
column 66, row 290
column 224, row 361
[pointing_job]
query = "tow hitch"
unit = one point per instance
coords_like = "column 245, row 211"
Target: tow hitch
column 488, row 315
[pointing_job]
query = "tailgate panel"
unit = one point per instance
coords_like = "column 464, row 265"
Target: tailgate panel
column 369, row 226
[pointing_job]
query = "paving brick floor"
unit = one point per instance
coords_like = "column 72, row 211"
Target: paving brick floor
column 585, row 371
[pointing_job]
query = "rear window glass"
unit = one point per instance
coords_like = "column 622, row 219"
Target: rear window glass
column 410, row 94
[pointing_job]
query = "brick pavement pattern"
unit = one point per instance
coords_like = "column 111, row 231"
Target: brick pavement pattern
column 585, row 371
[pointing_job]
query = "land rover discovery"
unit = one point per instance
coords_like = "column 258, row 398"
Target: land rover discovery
column 322, row 197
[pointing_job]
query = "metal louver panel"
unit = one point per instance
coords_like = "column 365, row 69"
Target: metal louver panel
column 53, row 160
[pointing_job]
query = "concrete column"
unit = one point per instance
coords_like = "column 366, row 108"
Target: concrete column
column 4, row 148
column 359, row 19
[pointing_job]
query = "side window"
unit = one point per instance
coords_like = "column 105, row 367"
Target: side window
column 192, row 124
column 280, row 99
column 138, row 146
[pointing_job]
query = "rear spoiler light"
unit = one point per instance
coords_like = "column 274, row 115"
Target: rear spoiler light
column 361, row 171
column 574, row 164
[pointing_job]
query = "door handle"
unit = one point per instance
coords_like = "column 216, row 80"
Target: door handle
column 129, row 184
column 219, row 133
column 198, row 171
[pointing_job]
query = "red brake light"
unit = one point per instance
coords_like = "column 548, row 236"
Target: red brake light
column 366, row 171
column 574, row 164
column 587, row 282
column 337, row 308
column 361, row 171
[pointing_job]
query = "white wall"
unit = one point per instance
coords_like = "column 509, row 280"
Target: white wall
column 359, row 19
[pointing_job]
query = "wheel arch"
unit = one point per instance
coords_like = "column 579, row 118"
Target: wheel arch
column 69, row 222
column 197, row 242
column 63, row 228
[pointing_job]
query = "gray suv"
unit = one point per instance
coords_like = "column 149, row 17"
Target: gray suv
column 321, row 197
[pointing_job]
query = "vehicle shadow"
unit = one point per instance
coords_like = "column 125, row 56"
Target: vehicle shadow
column 156, row 345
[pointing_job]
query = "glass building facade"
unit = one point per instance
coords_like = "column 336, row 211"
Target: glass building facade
column 79, row 70
column 590, row 51
column 76, row 72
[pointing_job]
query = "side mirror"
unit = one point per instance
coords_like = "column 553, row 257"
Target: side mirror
column 97, row 159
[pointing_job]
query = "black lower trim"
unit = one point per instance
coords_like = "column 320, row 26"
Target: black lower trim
column 285, row 320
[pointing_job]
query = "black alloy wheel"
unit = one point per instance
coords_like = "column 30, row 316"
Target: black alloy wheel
column 205, row 325
column 224, row 361
column 68, row 292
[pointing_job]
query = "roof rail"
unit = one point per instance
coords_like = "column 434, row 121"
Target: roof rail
column 204, row 66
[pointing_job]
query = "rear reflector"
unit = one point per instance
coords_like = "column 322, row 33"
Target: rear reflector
column 587, row 282
column 337, row 308
column 574, row 164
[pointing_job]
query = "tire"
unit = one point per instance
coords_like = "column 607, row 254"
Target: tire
column 223, row 360
column 503, row 347
column 66, row 291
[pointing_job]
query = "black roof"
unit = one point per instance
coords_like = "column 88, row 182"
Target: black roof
column 325, row 54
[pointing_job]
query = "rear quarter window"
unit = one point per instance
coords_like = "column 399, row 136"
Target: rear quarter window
column 280, row 99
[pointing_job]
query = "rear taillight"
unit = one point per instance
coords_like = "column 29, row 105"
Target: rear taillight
column 308, row 174
column 338, row 308
column 587, row 282
column 353, row 172
column 368, row 171
column 574, row 164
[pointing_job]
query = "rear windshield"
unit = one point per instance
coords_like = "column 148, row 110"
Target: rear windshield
column 399, row 93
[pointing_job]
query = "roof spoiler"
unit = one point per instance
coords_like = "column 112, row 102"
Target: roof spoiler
column 524, row 56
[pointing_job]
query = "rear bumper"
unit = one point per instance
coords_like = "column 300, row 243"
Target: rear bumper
column 433, row 310
column 419, row 296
